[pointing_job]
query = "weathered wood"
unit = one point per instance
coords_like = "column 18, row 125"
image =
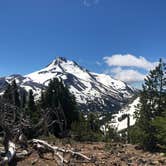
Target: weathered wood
column 10, row 154
column 43, row 145
column 13, row 135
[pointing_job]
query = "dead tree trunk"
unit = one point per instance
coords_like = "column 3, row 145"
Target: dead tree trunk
column 44, row 147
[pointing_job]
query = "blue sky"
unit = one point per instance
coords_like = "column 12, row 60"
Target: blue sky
column 34, row 32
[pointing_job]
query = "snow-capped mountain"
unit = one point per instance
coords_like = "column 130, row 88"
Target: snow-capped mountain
column 92, row 91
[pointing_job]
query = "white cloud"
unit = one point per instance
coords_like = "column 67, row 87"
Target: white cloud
column 127, row 75
column 129, row 60
column 89, row 3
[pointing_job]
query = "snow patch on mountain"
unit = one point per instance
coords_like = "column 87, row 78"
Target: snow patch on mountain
column 92, row 91
column 130, row 109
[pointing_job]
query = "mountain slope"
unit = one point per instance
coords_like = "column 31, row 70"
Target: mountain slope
column 130, row 110
column 94, row 92
column 119, row 121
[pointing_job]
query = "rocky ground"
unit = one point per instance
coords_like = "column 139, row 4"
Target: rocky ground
column 103, row 154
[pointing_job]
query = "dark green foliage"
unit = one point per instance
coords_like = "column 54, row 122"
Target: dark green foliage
column 42, row 100
column 56, row 110
column 17, row 96
column 87, row 129
column 93, row 122
column 147, row 131
column 152, row 104
column 62, row 102
column 32, row 110
column 58, row 93
column 160, row 124
column 23, row 99
column 135, row 134
column 31, row 102
column 8, row 95
column 11, row 94
column 15, row 92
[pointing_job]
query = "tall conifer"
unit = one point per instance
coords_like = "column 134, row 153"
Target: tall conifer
column 152, row 104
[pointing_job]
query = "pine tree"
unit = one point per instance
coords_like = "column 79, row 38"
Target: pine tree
column 15, row 92
column 11, row 94
column 32, row 108
column 8, row 97
column 86, row 129
column 31, row 103
column 56, row 94
column 93, row 122
column 152, row 104
column 69, row 104
column 62, row 103
column 23, row 99
column 160, row 121
column 160, row 124
column 79, row 129
column 42, row 100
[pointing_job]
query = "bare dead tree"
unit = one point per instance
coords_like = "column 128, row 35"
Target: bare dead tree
column 14, row 122
column 7, row 120
column 51, row 117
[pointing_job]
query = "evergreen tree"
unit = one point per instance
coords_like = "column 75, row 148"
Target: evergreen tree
column 152, row 104
column 32, row 108
column 69, row 105
column 93, row 122
column 79, row 129
column 58, row 98
column 8, row 97
column 160, row 121
column 87, row 129
column 11, row 94
column 31, row 103
column 23, row 99
column 57, row 93
column 15, row 92
column 160, row 124
column 42, row 100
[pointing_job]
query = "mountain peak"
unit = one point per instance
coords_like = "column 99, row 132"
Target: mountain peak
column 61, row 59
column 57, row 60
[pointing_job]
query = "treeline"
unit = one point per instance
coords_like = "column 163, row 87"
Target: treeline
column 150, row 128
column 56, row 100
column 55, row 113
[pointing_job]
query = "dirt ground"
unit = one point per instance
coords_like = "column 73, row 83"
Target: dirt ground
column 102, row 154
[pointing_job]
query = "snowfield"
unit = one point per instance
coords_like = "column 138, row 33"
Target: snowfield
column 120, row 125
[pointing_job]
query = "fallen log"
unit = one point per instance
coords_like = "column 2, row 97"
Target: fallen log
column 44, row 147
column 21, row 155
